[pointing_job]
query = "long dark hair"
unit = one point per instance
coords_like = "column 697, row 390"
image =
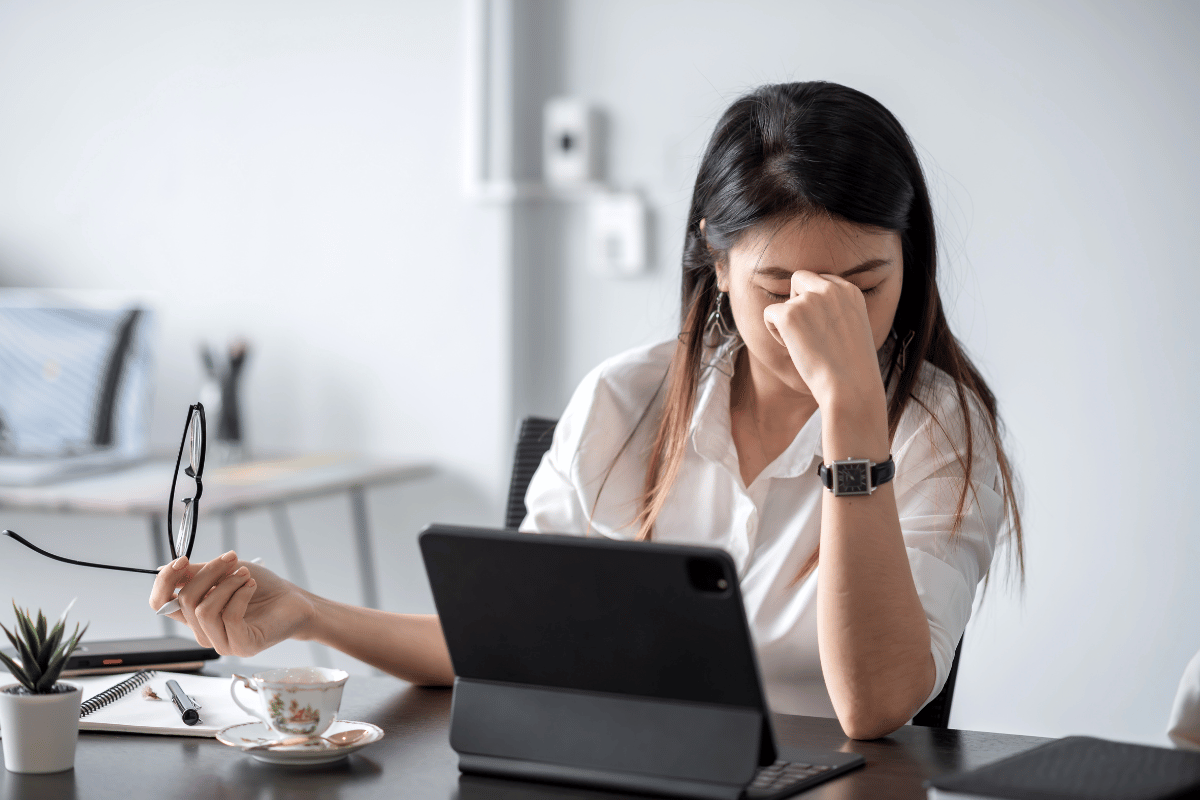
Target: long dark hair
column 797, row 150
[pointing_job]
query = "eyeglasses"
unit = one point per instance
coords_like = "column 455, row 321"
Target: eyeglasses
column 194, row 440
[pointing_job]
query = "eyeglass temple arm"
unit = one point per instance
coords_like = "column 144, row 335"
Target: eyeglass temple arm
column 37, row 549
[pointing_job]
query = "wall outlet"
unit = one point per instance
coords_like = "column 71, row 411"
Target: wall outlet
column 570, row 142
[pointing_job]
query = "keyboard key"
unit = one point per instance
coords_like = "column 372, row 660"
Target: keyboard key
column 776, row 778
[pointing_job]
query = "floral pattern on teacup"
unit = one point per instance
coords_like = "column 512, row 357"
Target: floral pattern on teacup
column 296, row 720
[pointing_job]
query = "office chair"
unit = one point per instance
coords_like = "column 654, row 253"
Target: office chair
column 936, row 713
column 533, row 440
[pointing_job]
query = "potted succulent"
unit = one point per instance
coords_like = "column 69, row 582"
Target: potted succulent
column 39, row 717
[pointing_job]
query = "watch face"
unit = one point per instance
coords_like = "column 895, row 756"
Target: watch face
column 851, row 477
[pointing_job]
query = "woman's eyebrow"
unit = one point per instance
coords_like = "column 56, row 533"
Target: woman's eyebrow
column 784, row 274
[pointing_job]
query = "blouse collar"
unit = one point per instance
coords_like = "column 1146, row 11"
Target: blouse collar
column 712, row 432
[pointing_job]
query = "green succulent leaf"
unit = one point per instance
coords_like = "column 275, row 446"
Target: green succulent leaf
column 17, row 672
column 42, row 630
column 11, row 638
column 50, row 676
column 26, row 655
column 24, row 625
column 68, row 646
column 43, row 650
column 77, row 637
column 51, row 643
column 26, row 647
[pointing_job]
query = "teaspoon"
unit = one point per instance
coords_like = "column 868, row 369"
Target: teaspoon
column 339, row 739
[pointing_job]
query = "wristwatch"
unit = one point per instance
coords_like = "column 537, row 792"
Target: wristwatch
column 856, row 476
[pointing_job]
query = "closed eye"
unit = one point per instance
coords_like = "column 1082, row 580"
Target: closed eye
column 783, row 298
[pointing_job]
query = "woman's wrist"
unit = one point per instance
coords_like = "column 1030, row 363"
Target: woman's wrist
column 855, row 426
column 314, row 625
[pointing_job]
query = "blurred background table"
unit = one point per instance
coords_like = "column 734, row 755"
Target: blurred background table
column 142, row 490
column 414, row 760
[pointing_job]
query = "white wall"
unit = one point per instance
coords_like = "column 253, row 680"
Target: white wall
column 289, row 172
column 1059, row 142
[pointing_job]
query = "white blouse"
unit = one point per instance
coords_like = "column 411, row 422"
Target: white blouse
column 772, row 526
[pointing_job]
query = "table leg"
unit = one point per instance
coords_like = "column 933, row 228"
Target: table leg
column 295, row 567
column 159, row 547
column 228, row 531
column 287, row 545
column 366, row 559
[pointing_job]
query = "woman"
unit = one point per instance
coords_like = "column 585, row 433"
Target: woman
column 812, row 334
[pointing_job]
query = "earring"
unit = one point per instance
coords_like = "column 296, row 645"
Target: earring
column 902, row 359
column 716, row 322
column 718, row 331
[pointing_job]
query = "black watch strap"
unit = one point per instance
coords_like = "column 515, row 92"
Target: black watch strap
column 850, row 473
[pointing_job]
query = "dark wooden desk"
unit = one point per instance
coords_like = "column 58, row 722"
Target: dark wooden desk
column 414, row 760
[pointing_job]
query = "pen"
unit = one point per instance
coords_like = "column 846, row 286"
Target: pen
column 186, row 707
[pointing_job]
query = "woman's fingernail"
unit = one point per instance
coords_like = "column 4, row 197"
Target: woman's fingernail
column 180, row 563
column 240, row 571
column 230, row 556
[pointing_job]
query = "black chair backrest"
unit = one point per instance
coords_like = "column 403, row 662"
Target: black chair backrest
column 936, row 713
column 533, row 440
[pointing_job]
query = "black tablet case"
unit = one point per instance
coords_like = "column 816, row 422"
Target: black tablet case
column 562, row 674
column 1081, row 768
column 134, row 653
column 138, row 652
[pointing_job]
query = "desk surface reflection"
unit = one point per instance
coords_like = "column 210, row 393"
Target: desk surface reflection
column 414, row 760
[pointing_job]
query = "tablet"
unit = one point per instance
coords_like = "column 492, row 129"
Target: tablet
column 602, row 662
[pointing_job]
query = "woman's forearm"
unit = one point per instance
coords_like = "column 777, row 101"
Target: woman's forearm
column 871, row 626
column 409, row 646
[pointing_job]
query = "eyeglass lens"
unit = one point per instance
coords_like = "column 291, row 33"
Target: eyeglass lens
column 185, row 528
column 194, row 440
column 194, row 444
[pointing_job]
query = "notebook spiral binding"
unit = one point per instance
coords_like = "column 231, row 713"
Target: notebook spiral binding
column 115, row 693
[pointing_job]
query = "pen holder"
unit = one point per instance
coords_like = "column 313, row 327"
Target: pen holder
column 294, row 701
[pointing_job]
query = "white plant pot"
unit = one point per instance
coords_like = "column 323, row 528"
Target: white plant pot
column 39, row 730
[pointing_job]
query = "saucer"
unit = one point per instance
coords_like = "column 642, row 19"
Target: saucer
column 319, row 751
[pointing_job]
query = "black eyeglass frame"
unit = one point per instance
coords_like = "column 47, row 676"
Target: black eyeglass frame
column 197, row 409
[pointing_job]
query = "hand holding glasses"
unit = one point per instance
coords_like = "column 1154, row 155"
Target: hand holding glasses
column 194, row 440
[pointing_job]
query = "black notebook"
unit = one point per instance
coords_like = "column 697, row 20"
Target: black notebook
column 1079, row 768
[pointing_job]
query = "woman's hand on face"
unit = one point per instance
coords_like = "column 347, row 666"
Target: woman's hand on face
column 825, row 327
column 235, row 607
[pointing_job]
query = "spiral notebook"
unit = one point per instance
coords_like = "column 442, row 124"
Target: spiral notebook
column 117, row 703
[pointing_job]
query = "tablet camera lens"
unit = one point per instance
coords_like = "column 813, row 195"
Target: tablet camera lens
column 707, row 575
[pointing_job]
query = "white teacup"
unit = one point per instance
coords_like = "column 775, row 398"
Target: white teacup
column 295, row 701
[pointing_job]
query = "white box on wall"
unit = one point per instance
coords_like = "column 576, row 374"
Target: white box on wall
column 617, row 234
